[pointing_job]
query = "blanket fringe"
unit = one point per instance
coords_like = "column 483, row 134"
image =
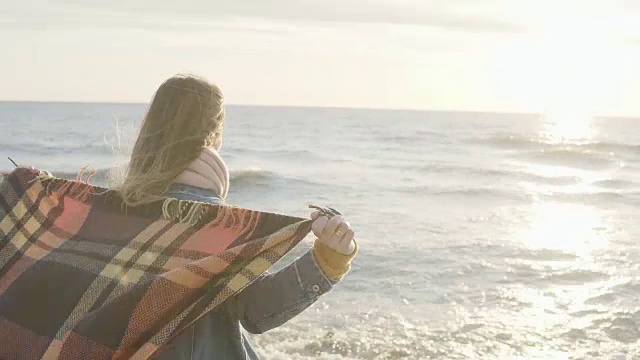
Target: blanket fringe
column 241, row 219
column 183, row 211
column 192, row 213
column 79, row 190
column 187, row 212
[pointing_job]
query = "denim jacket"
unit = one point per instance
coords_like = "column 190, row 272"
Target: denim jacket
column 268, row 302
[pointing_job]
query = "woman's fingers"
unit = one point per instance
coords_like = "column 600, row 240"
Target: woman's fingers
column 348, row 236
column 334, row 232
column 339, row 240
column 337, row 235
column 340, row 232
column 331, row 227
column 319, row 225
column 348, row 244
column 315, row 215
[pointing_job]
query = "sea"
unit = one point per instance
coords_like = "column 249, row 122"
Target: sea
column 481, row 235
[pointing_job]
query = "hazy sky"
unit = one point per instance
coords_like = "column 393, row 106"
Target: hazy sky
column 506, row 55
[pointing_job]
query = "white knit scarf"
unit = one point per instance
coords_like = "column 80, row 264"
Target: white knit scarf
column 208, row 171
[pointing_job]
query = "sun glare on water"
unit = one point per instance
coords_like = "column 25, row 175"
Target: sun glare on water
column 568, row 227
column 568, row 126
column 560, row 68
column 571, row 228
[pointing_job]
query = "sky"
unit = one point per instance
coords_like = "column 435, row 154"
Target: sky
column 471, row 55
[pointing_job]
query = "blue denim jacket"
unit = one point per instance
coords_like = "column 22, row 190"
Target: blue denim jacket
column 267, row 303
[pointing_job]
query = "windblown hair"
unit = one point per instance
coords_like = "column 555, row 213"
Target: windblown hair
column 186, row 115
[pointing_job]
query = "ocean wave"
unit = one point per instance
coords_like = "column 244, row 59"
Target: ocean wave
column 616, row 184
column 624, row 328
column 602, row 299
column 571, row 157
column 479, row 193
column 548, row 180
column 457, row 169
column 247, row 178
column 520, row 142
column 15, row 150
column 288, row 152
column 575, row 276
column 544, row 255
column 516, row 194
column 375, row 335
column 501, row 174
column 506, row 175
column 252, row 176
column 417, row 136
column 597, row 198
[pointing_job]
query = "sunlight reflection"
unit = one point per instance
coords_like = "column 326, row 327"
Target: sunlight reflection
column 567, row 127
column 566, row 227
column 557, row 171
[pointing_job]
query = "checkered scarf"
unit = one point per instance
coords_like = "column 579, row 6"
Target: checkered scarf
column 83, row 277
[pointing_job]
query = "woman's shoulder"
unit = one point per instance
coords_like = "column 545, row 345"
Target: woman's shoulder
column 192, row 193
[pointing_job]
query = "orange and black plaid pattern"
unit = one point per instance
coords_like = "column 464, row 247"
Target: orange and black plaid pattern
column 82, row 277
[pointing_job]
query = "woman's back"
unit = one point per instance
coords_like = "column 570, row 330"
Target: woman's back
column 176, row 155
column 218, row 335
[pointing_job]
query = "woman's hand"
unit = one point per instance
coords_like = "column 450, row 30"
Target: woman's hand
column 334, row 232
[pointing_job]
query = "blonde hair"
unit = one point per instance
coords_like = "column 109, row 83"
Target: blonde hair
column 186, row 115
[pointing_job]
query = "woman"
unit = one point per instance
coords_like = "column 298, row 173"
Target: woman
column 176, row 155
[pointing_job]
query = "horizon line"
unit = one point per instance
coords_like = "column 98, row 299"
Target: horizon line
column 500, row 112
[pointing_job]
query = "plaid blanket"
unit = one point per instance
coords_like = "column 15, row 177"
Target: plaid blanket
column 83, row 277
